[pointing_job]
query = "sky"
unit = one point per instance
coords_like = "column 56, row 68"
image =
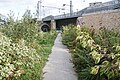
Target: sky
column 20, row 6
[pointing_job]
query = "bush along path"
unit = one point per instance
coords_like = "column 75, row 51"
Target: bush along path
column 96, row 55
column 59, row 66
column 23, row 50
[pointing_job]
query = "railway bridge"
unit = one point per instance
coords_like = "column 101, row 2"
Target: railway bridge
column 56, row 22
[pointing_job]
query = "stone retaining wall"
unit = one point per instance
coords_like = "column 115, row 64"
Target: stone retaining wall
column 108, row 19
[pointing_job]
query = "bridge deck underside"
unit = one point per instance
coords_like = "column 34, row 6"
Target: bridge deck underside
column 65, row 22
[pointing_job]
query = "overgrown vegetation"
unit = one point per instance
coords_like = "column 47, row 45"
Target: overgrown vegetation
column 96, row 55
column 23, row 50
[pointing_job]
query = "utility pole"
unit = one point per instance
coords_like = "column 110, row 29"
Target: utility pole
column 39, row 9
column 71, row 7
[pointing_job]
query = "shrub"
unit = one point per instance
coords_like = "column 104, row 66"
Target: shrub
column 24, row 50
column 14, row 56
column 95, row 61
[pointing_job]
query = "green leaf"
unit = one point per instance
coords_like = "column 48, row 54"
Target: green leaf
column 94, row 70
column 96, row 56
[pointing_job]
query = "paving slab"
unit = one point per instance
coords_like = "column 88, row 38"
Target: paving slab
column 59, row 65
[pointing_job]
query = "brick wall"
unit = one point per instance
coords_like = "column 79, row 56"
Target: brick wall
column 109, row 19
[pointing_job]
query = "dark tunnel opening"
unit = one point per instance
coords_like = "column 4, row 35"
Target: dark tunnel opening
column 65, row 22
column 45, row 28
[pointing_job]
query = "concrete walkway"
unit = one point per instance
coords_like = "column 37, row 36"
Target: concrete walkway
column 59, row 66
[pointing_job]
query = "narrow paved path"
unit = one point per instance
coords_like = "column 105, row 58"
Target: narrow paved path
column 59, row 66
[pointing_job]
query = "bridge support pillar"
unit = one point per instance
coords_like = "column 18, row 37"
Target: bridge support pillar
column 53, row 24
